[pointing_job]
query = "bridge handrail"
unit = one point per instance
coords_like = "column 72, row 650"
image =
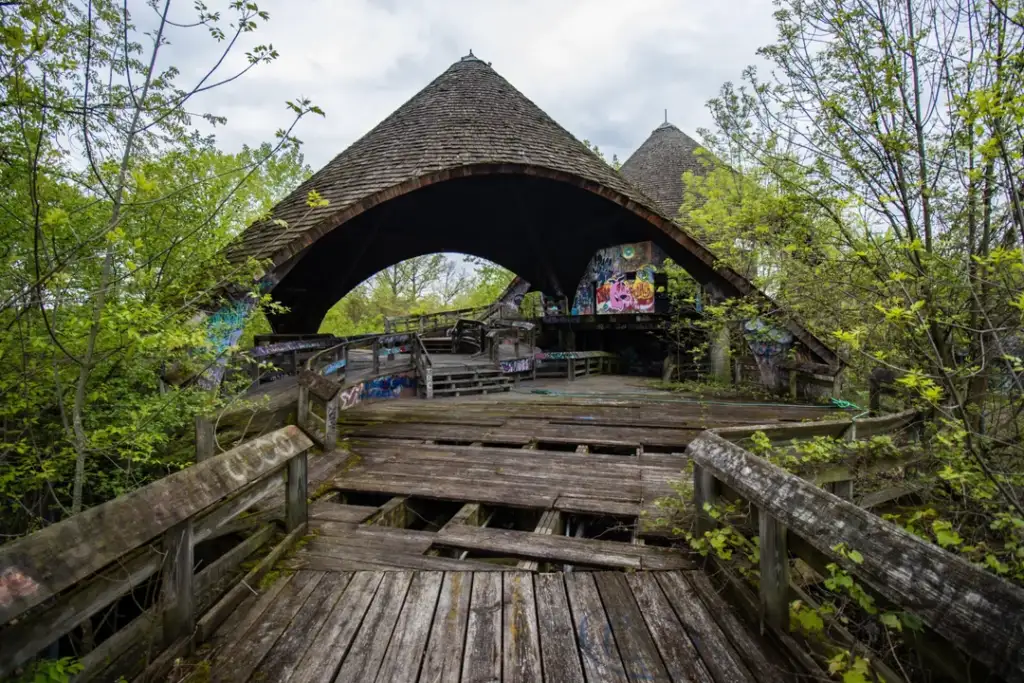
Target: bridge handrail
column 424, row 365
column 173, row 514
column 974, row 610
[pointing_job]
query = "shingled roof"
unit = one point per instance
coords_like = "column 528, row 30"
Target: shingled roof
column 657, row 166
column 469, row 122
column 468, row 115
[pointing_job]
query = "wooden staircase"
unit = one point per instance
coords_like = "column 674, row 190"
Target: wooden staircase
column 438, row 342
column 466, row 381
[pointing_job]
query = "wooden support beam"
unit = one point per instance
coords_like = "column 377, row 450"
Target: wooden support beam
column 551, row 523
column 394, row 513
column 705, row 492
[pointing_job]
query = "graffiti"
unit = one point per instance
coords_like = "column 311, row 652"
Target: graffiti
column 619, row 280
column 770, row 345
column 516, row 365
column 15, row 584
column 390, row 386
column 223, row 330
column 266, row 350
column 334, row 367
column 512, row 297
column 349, row 398
column 570, row 355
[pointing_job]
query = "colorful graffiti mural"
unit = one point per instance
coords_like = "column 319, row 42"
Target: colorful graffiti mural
column 619, row 280
column 516, row 365
column 390, row 386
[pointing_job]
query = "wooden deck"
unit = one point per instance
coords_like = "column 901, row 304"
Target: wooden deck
column 392, row 627
column 439, row 549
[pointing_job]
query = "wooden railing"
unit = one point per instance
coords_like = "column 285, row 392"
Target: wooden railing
column 55, row 580
column 980, row 615
column 432, row 321
column 574, row 364
column 424, row 366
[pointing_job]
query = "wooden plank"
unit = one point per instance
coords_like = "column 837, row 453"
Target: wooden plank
column 482, row 492
column 336, row 512
column 601, row 660
column 639, row 653
column 227, row 605
column 521, row 646
column 364, row 657
column 559, row 654
column 405, row 651
column 287, row 653
column 349, row 561
column 596, row 506
column 750, row 650
column 714, row 648
column 973, row 609
column 237, row 663
column 481, row 661
column 319, row 386
column 395, row 513
column 680, row 657
column 442, row 662
column 583, row 551
column 331, row 643
column 550, row 524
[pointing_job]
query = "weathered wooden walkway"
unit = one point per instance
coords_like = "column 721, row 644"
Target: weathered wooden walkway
column 481, row 627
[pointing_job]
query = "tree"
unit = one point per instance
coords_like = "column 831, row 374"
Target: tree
column 115, row 213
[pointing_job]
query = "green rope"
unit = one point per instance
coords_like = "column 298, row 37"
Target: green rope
column 845, row 405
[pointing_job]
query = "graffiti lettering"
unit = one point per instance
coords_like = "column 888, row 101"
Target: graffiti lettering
column 515, row 365
column 14, row 583
column 349, row 398
column 334, row 367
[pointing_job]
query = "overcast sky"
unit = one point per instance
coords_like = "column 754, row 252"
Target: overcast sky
column 604, row 69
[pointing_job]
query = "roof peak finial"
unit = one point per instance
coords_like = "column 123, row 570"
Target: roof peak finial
column 470, row 57
column 666, row 115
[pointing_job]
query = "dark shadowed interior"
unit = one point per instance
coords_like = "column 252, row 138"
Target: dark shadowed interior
column 543, row 230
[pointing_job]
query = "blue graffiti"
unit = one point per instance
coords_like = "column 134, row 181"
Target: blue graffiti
column 386, row 387
column 334, row 367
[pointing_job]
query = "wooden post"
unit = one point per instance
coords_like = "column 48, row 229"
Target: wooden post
column 571, row 363
column 302, row 408
column 844, row 489
column 206, row 438
column 430, row 383
column 331, row 411
column 376, row 355
column 295, row 493
column 737, row 372
column 344, row 371
column 720, row 355
column 705, row 490
column 295, row 362
column 774, row 572
column 792, row 384
column 176, row 590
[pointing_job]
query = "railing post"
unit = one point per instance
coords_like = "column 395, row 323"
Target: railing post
column 331, row 411
column 572, row 369
column 206, row 438
column 302, row 408
column 792, row 384
column 295, row 493
column 375, row 350
column 705, row 491
column 176, row 583
column 344, row 371
column 774, row 579
column 430, row 382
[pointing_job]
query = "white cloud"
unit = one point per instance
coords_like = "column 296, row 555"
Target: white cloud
column 604, row 69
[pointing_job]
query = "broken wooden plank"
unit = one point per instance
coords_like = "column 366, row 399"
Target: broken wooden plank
column 584, row 551
column 521, row 646
column 442, row 662
column 337, row 512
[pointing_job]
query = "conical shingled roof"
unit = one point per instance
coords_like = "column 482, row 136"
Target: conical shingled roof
column 467, row 115
column 657, row 166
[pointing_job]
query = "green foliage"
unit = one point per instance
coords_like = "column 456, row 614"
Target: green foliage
column 61, row 670
column 116, row 214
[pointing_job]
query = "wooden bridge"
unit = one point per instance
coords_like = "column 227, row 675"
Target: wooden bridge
column 492, row 538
